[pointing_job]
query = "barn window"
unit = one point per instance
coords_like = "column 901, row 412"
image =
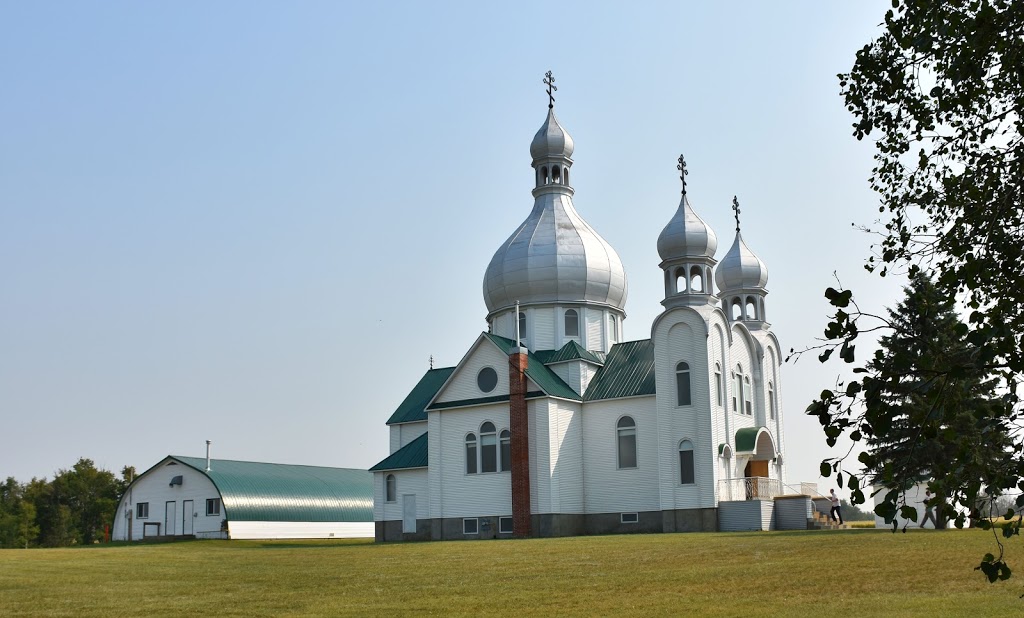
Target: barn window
column 505, row 525
column 718, row 384
column 572, row 323
column 470, row 526
column 505, row 440
column 213, row 506
column 686, row 469
column 488, row 448
column 626, row 434
column 142, row 510
column 748, row 405
column 629, row 518
column 471, row 454
column 682, row 384
column 389, row 488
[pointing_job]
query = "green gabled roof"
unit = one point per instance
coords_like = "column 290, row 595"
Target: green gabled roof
column 544, row 377
column 476, row 401
column 412, row 455
column 253, row 491
column 414, row 407
column 570, row 351
column 628, row 372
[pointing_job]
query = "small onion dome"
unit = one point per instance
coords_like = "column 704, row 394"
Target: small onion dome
column 551, row 140
column 740, row 268
column 686, row 235
column 554, row 257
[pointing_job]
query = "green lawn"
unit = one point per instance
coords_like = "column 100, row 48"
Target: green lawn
column 840, row 573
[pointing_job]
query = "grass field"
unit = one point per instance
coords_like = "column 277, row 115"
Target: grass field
column 840, row 573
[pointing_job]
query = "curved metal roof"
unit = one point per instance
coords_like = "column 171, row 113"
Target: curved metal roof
column 740, row 268
column 687, row 235
column 254, row 491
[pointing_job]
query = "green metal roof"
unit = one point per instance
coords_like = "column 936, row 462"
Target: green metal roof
column 544, row 377
column 476, row 401
column 252, row 491
column 628, row 372
column 746, row 439
column 412, row 455
column 570, row 351
column 414, row 407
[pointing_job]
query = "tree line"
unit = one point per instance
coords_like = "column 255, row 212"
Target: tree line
column 72, row 509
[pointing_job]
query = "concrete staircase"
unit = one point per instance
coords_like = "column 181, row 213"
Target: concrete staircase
column 821, row 521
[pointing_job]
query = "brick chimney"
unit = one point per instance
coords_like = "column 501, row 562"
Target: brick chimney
column 519, row 425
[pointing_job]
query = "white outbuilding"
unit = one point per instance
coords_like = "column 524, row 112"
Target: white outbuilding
column 225, row 499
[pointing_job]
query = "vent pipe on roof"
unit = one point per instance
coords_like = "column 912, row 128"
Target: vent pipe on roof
column 208, row 455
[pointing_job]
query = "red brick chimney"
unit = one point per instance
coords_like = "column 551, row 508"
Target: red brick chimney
column 519, row 425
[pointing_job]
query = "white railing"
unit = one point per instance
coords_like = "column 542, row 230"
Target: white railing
column 749, row 488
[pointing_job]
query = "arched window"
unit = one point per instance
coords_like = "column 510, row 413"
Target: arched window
column 737, row 388
column 687, row 475
column 737, row 309
column 566, row 175
column 471, row 454
column 751, row 308
column 488, row 448
column 572, row 323
column 626, row 433
column 615, row 328
column 389, row 488
column 544, row 174
column 682, row 384
column 760, row 303
column 522, row 325
column 696, row 279
column 718, row 385
column 771, row 401
column 506, row 450
column 555, row 175
column 680, row 280
column 748, row 405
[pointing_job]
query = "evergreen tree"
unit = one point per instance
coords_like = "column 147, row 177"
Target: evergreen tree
column 934, row 406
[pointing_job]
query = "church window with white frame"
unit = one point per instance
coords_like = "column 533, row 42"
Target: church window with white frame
column 771, row 401
column 625, row 431
column 718, row 385
column 683, row 397
column 748, row 404
column 687, row 472
column 488, row 448
column 471, row 453
column 505, row 450
column 390, row 489
column 572, row 323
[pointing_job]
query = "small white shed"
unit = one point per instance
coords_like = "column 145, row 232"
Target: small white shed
column 181, row 497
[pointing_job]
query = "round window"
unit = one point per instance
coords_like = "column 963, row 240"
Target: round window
column 487, row 379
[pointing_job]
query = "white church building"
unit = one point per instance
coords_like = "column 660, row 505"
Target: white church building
column 553, row 424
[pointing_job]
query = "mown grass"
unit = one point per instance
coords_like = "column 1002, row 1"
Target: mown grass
column 848, row 572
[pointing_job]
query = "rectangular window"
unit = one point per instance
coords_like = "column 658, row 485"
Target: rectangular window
column 718, row 388
column 750, row 408
column 686, row 475
column 629, row 518
column 471, row 457
column 470, row 526
column 506, row 451
column 771, row 404
column 213, row 506
column 505, row 525
column 142, row 510
column 488, row 452
column 627, row 448
column 683, row 388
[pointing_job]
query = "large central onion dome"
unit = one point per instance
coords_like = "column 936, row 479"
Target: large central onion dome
column 554, row 256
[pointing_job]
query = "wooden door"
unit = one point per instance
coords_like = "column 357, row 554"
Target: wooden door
column 759, row 468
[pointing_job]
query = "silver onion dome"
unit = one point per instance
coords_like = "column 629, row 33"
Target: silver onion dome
column 552, row 140
column 686, row 235
column 740, row 268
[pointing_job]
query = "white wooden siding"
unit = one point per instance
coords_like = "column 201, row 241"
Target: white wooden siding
column 395, row 436
column 737, row 516
column 462, row 384
column 154, row 487
column 606, row 488
column 412, row 481
column 543, row 328
column 792, row 513
column 410, row 431
column 595, row 319
column 565, row 436
column 459, row 494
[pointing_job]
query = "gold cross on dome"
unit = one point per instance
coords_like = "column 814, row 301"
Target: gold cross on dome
column 549, row 81
column 682, row 172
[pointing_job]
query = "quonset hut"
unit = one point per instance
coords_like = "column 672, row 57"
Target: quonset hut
column 221, row 498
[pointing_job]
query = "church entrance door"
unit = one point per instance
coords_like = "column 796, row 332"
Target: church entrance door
column 756, row 469
column 409, row 513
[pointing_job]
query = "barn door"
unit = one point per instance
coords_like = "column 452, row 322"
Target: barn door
column 170, row 518
column 409, row 513
column 187, row 517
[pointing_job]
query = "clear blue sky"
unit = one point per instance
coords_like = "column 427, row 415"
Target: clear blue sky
column 254, row 222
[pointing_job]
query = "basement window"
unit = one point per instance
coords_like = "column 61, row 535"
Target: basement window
column 505, row 525
column 213, row 506
column 629, row 518
column 142, row 510
column 471, row 526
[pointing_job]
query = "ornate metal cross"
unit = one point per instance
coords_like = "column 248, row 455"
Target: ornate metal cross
column 549, row 81
column 682, row 172
column 736, row 210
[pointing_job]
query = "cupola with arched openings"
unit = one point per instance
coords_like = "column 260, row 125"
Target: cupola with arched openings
column 741, row 277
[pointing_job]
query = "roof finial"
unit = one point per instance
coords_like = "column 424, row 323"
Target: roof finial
column 736, row 211
column 549, row 80
column 682, row 172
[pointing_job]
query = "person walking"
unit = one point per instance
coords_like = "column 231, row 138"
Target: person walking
column 835, row 513
column 929, row 510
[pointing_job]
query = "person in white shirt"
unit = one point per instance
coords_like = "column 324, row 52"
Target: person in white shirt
column 835, row 512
